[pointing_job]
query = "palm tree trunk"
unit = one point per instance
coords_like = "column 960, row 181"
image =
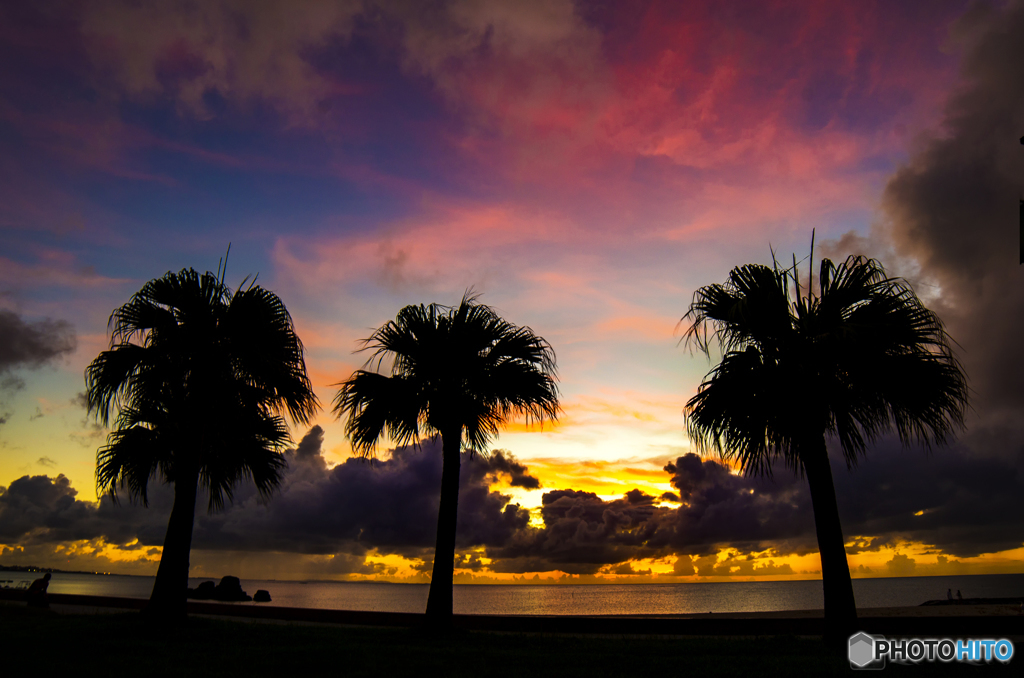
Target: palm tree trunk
column 168, row 600
column 439, row 600
column 840, row 607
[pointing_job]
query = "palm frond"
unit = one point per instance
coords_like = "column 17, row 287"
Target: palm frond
column 376, row 405
column 862, row 357
column 461, row 366
column 129, row 459
column 197, row 376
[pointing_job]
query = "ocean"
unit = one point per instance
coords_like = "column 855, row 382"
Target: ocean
column 689, row 598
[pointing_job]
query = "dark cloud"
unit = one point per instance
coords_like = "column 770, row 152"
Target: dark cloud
column 503, row 462
column 954, row 208
column 40, row 509
column 583, row 533
column 952, row 226
column 750, row 514
column 388, row 505
column 958, row 503
column 969, row 503
column 31, row 345
column 24, row 344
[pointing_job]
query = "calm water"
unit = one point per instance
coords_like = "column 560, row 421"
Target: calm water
column 555, row 600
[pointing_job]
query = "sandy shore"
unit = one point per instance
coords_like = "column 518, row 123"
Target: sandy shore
column 967, row 610
column 993, row 619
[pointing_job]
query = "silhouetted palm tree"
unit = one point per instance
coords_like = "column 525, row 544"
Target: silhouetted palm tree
column 454, row 370
column 859, row 359
column 199, row 377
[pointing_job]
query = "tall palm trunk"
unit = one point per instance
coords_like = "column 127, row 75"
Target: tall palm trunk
column 439, row 600
column 168, row 600
column 840, row 607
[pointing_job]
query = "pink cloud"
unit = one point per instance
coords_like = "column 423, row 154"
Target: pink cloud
column 559, row 107
column 54, row 267
column 794, row 92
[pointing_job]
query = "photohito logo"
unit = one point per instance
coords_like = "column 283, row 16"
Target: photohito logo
column 871, row 652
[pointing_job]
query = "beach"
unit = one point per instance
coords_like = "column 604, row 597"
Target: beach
column 992, row 617
column 224, row 640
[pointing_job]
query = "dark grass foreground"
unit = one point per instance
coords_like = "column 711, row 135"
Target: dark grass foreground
column 42, row 642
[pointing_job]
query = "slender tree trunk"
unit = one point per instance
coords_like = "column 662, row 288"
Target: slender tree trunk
column 439, row 600
column 840, row 607
column 168, row 600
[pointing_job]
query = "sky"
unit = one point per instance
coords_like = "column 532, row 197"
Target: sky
column 584, row 167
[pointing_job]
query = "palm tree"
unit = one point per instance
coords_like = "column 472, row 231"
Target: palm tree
column 199, row 377
column 862, row 357
column 458, row 372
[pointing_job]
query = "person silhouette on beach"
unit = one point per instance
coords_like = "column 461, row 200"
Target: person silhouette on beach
column 949, row 594
column 958, row 596
column 37, row 591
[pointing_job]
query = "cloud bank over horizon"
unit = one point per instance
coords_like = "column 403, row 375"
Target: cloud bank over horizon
column 364, row 508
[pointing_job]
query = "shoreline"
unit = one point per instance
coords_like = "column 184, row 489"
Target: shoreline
column 228, row 646
column 999, row 619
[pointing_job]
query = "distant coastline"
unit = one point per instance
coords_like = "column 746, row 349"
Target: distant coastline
column 57, row 570
column 43, row 570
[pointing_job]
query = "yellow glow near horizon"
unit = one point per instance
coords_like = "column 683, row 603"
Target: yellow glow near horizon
column 726, row 565
column 609, row 477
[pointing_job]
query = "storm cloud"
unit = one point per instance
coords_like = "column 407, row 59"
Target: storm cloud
column 583, row 533
column 38, row 506
column 388, row 505
column 385, row 505
column 30, row 344
column 950, row 500
column 955, row 499
column 953, row 208
column 951, row 224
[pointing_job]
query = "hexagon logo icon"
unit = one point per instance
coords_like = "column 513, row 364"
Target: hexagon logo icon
column 861, row 650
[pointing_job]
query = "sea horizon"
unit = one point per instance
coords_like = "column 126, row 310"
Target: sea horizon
column 32, row 570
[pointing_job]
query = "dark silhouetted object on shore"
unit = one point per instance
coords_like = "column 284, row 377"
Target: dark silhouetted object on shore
column 861, row 357
column 454, row 371
column 261, row 596
column 37, row 592
column 199, row 377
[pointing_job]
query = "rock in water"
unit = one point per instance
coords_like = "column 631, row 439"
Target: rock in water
column 205, row 591
column 262, row 596
column 230, row 590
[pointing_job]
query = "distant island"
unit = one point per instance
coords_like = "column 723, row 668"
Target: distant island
column 33, row 568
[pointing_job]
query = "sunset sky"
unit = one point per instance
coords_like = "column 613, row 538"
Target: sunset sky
column 584, row 167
